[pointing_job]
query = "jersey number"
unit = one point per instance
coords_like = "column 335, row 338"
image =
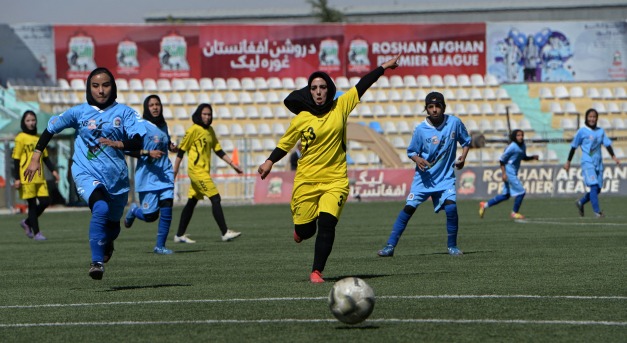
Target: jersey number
column 308, row 137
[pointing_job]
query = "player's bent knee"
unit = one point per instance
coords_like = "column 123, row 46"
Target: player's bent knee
column 151, row 217
column 409, row 209
column 305, row 231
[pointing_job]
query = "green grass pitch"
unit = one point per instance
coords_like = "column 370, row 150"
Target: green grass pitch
column 555, row 278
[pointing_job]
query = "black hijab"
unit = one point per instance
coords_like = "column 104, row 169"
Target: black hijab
column 301, row 100
column 158, row 120
column 196, row 117
column 512, row 137
column 114, row 89
column 590, row 110
column 23, row 123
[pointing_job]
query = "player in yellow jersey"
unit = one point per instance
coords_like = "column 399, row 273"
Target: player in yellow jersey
column 321, row 181
column 198, row 142
column 36, row 189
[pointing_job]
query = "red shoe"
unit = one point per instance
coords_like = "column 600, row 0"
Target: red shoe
column 297, row 238
column 316, row 277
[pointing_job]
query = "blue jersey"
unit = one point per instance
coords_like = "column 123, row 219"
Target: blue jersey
column 106, row 165
column 512, row 156
column 154, row 174
column 438, row 145
column 590, row 141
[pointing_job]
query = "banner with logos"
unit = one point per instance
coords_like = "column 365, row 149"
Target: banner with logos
column 472, row 183
column 137, row 51
column 557, row 51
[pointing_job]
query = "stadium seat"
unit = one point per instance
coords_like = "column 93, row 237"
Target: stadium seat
column 488, row 94
column 204, row 98
column 275, row 83
column 192, row 84
column 389, row 128
column 475, row 95
column 382, row 82
column 264, row 129
column 561, row 92
column 423, row 81
column 252, row 113
column 421, row 94
column 605, row 123
column 223, row 112
column 546, row 93
column 272, row 98
column 499, row 125
column 259, row 98
column 216, row 98
column 449, row 81
column 181, row 113
column 502, row 94
column 472, row 157
column 227, row 144
column 278, row 129
column 593, row 93
column 396, row 81
column 206, row 84
column 233, row 84
column 477, row 80
column 485, row 125
column 368, row 96
column 449, row 95
column 261, row 84
column 360, row 158
column 568, row 124
column 392, row 111
column 255, row 143
column 248, row 84
column 355, row 145
column 570, row 108
column 618, row 124
column 556, row 108
column 63, row 84
column 473, row 109
column 460, row 109
column 133, row 99
column 178, row 130
column 221, row 129
column 491, row 80
column 378, row 111
column 245, row 98
column 405, row 111
column 219, row 84
column 552, row 156
column 365, row 111
column 486, row 109
column 381, row 96
column 178, row 85
column 408, row 96
column 122, row 85
column 164, row 85
column 576, row 92
column 394, row 95
column 463, row 80
column 280, row 112
column 299, row 82
column 231, row 98
column 500, row 109
column 268, row 145
column 79, row 85
column 398, row 142
column 620, row 93
column 403, row 127
column 167, row 113
column 436, row 81
column 189, row 99
column 236, row 130
column 341, row 82
column 175, row 99
column 461, row 94
column 410, row 81
column 266, row 113
column 619, row 153
column 136, row 85
column 44, row 97
column 238, row 113
column 514, row 109
column 150, row 85
column 599, row 106
column 613, row 108
column 607, row 94
column 623, row 107
column 471, row 125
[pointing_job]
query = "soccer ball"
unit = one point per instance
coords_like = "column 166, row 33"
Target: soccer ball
column 351, row 300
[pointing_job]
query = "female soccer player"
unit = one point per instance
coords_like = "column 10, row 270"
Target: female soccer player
column 103, row 130
column 199, row 140
column 154, row 177
column 515, row 152
column 37, row 189
column 321, row 181
column 433, row 148
column 590, row 138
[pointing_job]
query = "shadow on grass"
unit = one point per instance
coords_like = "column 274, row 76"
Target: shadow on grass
column 362, row 276
column 357, row 327
column 130, row 288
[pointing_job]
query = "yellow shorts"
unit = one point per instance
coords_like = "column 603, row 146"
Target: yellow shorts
column 33, row 190
column 311, row 198
column 202, row 187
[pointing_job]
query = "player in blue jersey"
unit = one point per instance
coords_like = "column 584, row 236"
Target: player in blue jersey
column 515, row 152
column 590, row 138
column 103, row 130
column 433, row 148
column 154, row 177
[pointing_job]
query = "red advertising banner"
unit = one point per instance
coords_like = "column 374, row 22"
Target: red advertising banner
column 426, row 49
column 365, row 185
column 138, row 51
column 271, row 50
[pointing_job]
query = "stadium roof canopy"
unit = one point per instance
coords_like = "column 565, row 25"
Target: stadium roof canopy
column 424, row 11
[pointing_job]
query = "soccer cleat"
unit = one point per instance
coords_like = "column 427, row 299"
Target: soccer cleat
column 481, row 209
column 39, row 237
column 579, row 208
column 96, row 269
column 387, row 251
column 108, row 252
column 162, row 251
column 515, row 215
column 183, row 239
column 230, row 235
column 316, row 277
column 599, row 215
column 26, row 228
column 454, row 251
column 130, row 216
column 297, row 238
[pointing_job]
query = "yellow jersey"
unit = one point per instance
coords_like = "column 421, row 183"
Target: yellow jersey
column 323, row 141
column 23, row 151
column 198, row 142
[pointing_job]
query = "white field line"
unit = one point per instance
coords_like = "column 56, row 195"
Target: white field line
column 553, row 221
column 306, row 321
column 462, row 296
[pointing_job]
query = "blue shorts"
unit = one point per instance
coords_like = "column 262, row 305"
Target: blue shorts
column 513, row 186
column 149, row 201
column 87, row 184
column 418, row 195
column 592, row 176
